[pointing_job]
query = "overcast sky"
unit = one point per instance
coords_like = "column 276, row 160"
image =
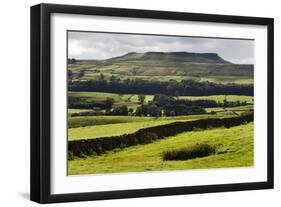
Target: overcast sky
column 100, row 46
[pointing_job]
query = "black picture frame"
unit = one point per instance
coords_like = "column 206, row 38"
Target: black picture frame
column 41, row 96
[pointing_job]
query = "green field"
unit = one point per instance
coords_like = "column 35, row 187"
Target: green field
column 111, row 129
column 109, row 126
column 131, row 100
column 231, row 110
column 72, row 111
column 234, row 149
column 83, row 121
column 220, row 98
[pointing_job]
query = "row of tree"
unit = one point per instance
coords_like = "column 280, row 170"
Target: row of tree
column 162, row 100
column 161, row 105
column 81, row 103
column 171, row 88
column 168, row 110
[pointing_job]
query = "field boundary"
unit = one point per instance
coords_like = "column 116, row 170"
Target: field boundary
column 86, row 147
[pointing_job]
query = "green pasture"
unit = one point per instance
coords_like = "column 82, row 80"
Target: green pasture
column 72, row 111
column 130, row 100
column 237, row 109
column 82, row 121
column 105, row 126
column 220, row 98
column 235, row 148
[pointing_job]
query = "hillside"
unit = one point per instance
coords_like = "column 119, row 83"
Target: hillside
column 175, row 57
column 164, row 66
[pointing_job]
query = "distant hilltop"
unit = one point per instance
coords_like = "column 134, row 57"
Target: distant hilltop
column 171, row 57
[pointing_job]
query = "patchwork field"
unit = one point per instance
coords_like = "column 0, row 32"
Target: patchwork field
column 123, row 111
column 132, row 101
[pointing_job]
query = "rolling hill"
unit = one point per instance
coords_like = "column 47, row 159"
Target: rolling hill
column 174, row 57
column 164, row 66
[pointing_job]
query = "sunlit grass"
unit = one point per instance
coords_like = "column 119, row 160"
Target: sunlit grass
column 234, row 149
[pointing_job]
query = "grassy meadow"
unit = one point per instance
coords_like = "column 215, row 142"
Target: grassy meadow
column 235, row 149
column 113, row 126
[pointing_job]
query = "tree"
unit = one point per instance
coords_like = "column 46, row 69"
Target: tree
column 141, row 98
column 131, row 111
column 71, row 61
column 154, row 111
column 148, row 110
column 142, row 110
column 109, row 102
column 183, row 88
column 161, row 99
column 114, row 79
column 168, row 110
column 101, row 76
column 122, row 110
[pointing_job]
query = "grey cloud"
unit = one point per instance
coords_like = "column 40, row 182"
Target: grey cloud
column 91, row 45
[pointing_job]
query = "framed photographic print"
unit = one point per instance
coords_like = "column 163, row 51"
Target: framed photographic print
column 133, row 103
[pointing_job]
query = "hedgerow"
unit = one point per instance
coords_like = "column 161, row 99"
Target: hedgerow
column 86, row 147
